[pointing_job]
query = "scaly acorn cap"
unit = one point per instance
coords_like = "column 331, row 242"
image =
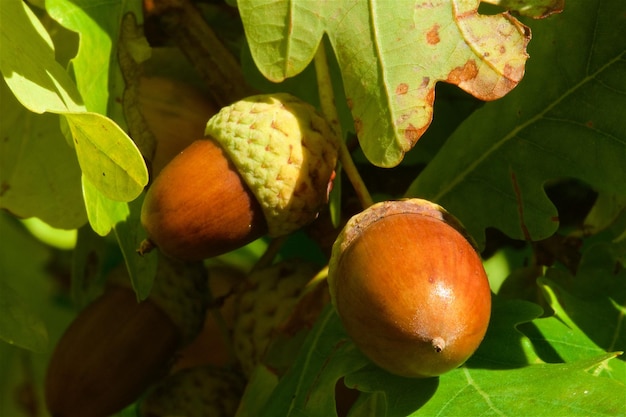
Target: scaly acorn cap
column 266, row 300
column 203, row 391
column 181, row 291
column 284, row 150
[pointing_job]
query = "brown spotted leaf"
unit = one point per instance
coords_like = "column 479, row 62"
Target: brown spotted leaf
column 391, row 55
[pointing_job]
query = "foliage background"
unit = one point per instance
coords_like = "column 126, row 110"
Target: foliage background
column 527, row 174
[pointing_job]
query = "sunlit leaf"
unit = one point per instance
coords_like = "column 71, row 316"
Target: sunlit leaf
column 35, row 77
column 537, row 390
column 558, row 338
column 107, row 157
column 564, row 120
column 505, row 346
column 391, row 54
column 94, row 66
column 39, row 173
column 103, row 213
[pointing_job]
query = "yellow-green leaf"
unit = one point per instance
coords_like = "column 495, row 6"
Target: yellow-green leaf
column 391, row 55
column 107, row 156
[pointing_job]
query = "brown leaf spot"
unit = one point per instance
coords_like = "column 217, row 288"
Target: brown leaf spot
column 425, row 82
column 349, row 103
column 358, row 125
column 4, row 187
column 464, row 73
column 514, row 73
column 432, row 36
column 412, row 133
column 402, row 89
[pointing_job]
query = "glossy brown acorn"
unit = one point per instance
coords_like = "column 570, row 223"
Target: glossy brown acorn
column 264, row 166
column 199, row 206
column 410, row 288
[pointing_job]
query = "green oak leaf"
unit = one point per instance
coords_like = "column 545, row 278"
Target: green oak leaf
column 504, row 377
column 558, row 338
column 28, row 64
column 39, row 173
column 564, row 120
column 21, row 262
column 38, row 81
column 504, row 345
column 308, row 387
column 95, row 66
column 103, row 213
column 391, row 55
column 107, row 156
column 595, row 295
column 19, row 325
column 537, row 390
column 141, row 269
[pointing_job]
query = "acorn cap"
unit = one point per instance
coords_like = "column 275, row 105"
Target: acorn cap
column 180, row 289
column 195, row 392
column 284, row 150
column 266, row 300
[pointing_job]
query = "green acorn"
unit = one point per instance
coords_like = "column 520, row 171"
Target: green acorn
column 265, row 166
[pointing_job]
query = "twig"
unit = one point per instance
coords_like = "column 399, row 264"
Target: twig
column 131, row 48
column 327, row 102
column 184, row 24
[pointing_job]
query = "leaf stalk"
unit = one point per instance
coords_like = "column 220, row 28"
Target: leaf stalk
column 329, row 110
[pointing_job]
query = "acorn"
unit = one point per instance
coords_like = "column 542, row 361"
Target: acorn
column 175, row 112
column 204, row 391
column 263, row 304
column 410, row 288
column 116, row 347
column 264, row 167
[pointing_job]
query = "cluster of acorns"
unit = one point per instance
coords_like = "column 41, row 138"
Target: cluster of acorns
column 406, row 281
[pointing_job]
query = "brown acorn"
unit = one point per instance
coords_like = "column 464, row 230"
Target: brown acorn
column 410, row 288
column 176, row 114
column 116, row 347
column 264, row 166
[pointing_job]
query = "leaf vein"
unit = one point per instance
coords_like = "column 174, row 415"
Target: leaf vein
column 515, row 131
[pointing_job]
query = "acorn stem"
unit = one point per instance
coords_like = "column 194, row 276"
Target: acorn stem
column 131, row 34
column 146, row 246
column 270, row 253
column 438, row 344
column 329, row 110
